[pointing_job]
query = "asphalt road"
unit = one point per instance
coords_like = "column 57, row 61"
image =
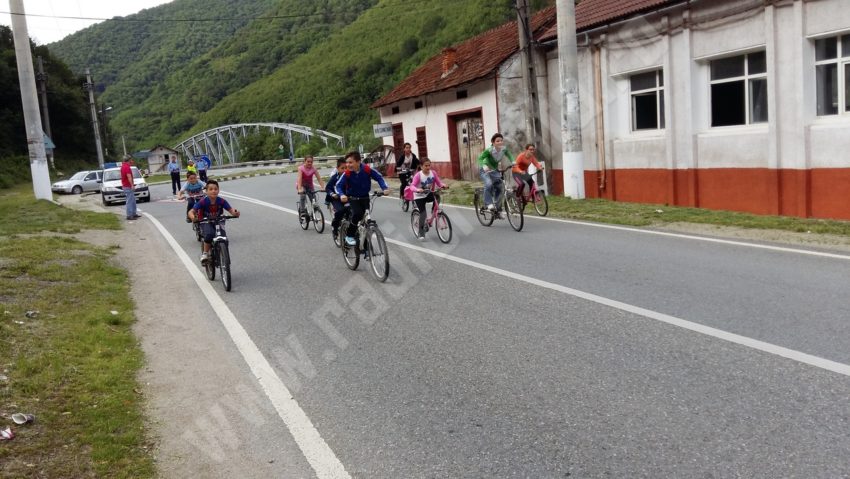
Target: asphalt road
column 451, row 370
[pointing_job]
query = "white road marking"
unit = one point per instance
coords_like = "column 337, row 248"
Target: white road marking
column 317, row 452
column 672, row 235
column 787, row 353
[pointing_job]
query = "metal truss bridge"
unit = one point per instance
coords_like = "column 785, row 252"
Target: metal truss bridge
column 221, row 144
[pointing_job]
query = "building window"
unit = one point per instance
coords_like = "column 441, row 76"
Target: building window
column 647, row 101
column 739, row 90
column 832, row 68
column 417, row 105
column 395, row 110
column 461, row 94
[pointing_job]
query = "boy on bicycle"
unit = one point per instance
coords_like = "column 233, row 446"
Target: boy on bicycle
column 488, row 169
column 193, row 189
column 210, row 207
column 304, row 183
column 332, row 198
column 356, row 182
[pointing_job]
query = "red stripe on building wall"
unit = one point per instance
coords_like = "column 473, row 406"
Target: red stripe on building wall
column 818, row 193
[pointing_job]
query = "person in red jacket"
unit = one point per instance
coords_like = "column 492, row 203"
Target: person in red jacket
column 129, row 187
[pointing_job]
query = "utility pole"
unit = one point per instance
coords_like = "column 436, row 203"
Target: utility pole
column 89, row 86
column 533, row 129
column 573, row 155
column 32, row 117
column 41, row 78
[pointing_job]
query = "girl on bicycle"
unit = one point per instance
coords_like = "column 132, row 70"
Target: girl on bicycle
column 488, row 169
column 520, row 169
column 406, row 165
column 425, row 182
column 304, row 182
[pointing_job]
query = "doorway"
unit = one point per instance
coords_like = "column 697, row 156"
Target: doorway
column 466, row 136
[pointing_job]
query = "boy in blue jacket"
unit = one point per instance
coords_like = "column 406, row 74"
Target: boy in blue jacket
column 354, row 187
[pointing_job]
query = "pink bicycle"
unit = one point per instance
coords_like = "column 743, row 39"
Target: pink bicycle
column 533, row 195
column 438, row 216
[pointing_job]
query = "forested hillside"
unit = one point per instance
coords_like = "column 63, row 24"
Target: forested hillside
column 69, row 115
column 320, row 63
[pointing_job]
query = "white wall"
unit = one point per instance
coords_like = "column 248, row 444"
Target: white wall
column 434, row 116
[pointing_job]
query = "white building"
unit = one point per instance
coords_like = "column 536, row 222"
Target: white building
column 159, row 157
column 726, row 104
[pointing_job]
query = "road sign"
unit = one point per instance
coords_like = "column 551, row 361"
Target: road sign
column 382, row 129
column 48, row 143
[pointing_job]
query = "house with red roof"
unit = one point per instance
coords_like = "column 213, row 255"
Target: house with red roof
column 726, row 104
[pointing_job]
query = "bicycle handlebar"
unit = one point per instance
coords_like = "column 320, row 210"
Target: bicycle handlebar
column 374, row 193
column 217, row 219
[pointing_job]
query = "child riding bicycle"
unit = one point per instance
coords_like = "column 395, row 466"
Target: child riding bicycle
column 210, row 207
column 488, row 169
column 332, row 198
column 520, row 170
column 424, row 184
column 304, row 183
column 353, row 187
column 193, row 190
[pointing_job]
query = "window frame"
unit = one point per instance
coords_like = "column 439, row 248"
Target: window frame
column 842, row 63
column 746, row 78
column 658, row 89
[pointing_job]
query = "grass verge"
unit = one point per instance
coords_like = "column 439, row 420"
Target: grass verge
column 648, row 215
column 74, row 363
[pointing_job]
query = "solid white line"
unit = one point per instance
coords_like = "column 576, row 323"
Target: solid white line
column 317, row 452
column 769, row 348
column 674, row 235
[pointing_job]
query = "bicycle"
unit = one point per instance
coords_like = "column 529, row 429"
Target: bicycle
column 219, row 252
column 405, row 204
column 444, row 225
column 191, row 200
column 373, row 241
column 338, row 239
column 506, row 198
column 311, row 214
column 535, row 195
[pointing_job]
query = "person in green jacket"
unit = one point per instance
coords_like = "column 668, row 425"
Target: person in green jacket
column 488, row 169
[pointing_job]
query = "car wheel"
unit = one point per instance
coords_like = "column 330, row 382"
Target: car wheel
column 146, row 199
column 103, row 200
column 77, row 190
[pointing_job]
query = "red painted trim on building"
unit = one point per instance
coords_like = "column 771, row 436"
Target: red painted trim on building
column 818, row 193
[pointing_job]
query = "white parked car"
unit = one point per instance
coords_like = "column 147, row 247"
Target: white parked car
column 80, row 182
column 111, row 191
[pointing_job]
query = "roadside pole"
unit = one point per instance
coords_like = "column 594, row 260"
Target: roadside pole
column 573, row 156
column 89, row 86
column 533, row 129
column 32, row 117
column 41, row 77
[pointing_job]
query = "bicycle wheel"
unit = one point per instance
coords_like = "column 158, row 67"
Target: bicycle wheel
column 541, row 204
column 303, row 219
column 414, row 222
column 514, row 212
column 351, row 254
column 485, row 217
column 405, row 205
column 379, row 257
column 338, row 239
column 318, row 220
column 197, row 228
column 224, row 264
column 444, row 227
column 210, row 266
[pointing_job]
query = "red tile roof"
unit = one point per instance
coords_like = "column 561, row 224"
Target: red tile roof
column 475, row 59
column 479, row 56
column 593, row 13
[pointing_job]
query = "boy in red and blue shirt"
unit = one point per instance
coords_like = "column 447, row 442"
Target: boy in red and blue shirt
column 211, row 206
column 354, row 187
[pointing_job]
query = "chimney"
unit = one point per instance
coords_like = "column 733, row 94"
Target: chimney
column 448, row 60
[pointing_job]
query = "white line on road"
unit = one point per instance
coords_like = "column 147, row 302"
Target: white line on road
column 674, row 235
column 317, row 452
column 787, row 353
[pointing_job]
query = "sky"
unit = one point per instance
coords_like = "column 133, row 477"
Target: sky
column 47, row 30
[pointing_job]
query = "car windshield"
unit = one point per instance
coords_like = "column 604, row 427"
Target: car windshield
column 79, row 176
column 113, row 175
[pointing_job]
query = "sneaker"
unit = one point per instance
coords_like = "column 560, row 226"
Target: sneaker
column 205, row 258
column 188, row 220
column 491, row 207
column 350, row 241
column 366, row 256
column 135, row 217
column 422, row 237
